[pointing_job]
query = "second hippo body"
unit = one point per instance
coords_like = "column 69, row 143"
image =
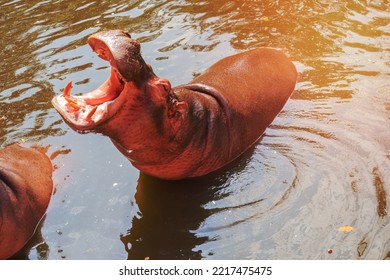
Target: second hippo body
column 26, row 187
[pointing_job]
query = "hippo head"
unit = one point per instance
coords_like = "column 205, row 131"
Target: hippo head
column 131, row 103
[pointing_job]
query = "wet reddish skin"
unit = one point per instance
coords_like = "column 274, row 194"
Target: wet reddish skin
column 199, row 128
column 25, row 190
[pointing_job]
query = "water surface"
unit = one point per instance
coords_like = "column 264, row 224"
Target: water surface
column 322, row 165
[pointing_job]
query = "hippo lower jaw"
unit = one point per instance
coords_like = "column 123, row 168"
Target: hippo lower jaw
column 84, row 112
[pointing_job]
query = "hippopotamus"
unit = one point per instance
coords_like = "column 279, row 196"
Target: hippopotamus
column 185, row 131
column 25, row 190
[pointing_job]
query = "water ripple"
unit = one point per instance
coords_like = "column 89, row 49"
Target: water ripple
column 323, row 164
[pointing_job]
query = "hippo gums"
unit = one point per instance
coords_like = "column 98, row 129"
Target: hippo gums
column 185, row 131
column 25, row 190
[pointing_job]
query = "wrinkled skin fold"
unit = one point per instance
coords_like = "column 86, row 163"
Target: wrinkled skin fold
column 186, row 131
column 25, row 190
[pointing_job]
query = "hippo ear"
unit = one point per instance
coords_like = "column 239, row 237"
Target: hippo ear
column 177, row 114
column 177, row 110
column 181, row 108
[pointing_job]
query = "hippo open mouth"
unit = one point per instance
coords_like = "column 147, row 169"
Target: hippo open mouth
column 85, row 111
column 88, row 110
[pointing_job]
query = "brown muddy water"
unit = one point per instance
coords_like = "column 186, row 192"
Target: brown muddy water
column 317, row 185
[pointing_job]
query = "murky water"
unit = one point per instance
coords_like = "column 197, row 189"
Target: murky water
column 323, row 164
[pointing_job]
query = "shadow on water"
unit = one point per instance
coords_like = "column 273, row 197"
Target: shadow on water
column 171, row 212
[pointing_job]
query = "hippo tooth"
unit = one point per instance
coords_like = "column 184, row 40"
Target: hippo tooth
column 90, row 113
column 72, row 103
column 67, row 89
